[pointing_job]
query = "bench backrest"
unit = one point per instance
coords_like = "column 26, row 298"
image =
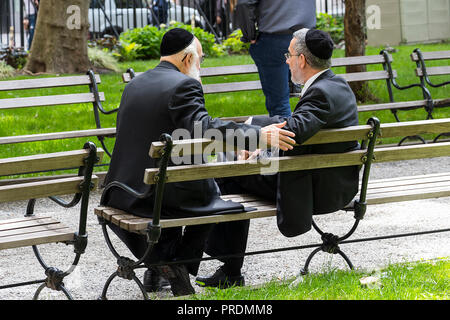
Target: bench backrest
column 91, row 96
column 313, row 161
column 49, row 100
column 83, row 159
column 423, row 71
column 256, row 85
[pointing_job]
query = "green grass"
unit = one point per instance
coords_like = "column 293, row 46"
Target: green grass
column 64, row 118
column 407, row 281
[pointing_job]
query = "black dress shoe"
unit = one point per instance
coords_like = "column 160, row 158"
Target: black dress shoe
column 178, row 277
column 220, row 280
column 154, row 281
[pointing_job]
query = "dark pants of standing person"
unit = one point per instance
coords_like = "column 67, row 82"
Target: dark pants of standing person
column 268, row 54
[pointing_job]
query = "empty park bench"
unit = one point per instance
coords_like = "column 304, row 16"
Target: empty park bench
column 90, row 96
column 387, row 74
column 370, row 192
column 32, row 230
column 424, row 72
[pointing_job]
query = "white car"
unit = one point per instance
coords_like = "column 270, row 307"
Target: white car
column 124, row 15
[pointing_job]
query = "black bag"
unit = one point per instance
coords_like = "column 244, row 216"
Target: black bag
column 246, row 19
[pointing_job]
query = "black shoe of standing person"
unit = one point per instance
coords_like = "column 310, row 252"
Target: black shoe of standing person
column 178, row 277
column 154, row 281
column 220, row 280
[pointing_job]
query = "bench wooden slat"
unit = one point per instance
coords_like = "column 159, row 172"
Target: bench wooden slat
column 136, row 224
column 353, row 61
column 256, row 85
column 238, row 118
column 25, row 222
column 409, row 187
column 392, row 105
column 58, row 135
column 251, row 68
column 435, row 126
column 36, row 238
column 46, row 82
column 441, row 175
column 365, row 76
column 418, row 194
column 304, row 162
column 42, row 189
column 56, row 160
column 232, row 87
column 444, row 178
column 434, row 71
column 53, row 100
column 32, row 229
column 422, row 151
column 228, row 70
column 432, row 55
column 238, row 168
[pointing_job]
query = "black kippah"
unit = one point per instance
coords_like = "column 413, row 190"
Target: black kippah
column 319, row 43
column 174, row 41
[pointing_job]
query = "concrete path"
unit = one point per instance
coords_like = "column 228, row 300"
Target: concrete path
column 98, row 263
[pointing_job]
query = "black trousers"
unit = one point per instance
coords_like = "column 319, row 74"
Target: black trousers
column 230, row 238
column 174, row 244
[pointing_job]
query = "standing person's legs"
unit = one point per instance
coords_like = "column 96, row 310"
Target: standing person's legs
column 268, row 54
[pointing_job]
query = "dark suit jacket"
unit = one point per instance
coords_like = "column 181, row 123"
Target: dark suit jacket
column 160, row 101
column 328, row 103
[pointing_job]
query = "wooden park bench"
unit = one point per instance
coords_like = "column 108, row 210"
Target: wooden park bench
column 424, row 72
column 371, row 192
column 32, row 230
column 386, row 74
column 91, row 96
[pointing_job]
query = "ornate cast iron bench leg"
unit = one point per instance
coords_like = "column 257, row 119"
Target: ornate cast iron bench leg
column 126, row 266
column 330, row 242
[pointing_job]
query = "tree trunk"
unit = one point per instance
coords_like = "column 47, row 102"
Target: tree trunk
column 60, row 39
column 355, row 42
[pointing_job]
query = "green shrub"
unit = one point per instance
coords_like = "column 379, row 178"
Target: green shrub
column 234, row 45
column 148, row 39
column 206, row 39
column 6, row 70
column 103, row 59
column 127, row 51
column 333, row 25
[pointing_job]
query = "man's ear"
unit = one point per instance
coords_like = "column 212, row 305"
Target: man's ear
column 188, row 61
column 302, row 60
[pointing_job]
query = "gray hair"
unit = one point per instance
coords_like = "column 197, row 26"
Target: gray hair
column 190, row 49
column 301, row 48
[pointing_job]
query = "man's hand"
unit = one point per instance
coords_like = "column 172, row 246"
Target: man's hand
column 247, row 155
column 274, row 136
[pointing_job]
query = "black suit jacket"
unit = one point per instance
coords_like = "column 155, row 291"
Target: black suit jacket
column 160, row 101
column 328, row 103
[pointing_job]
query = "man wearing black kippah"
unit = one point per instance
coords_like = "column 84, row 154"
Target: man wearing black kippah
column 163, row 100
column 326, row 102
